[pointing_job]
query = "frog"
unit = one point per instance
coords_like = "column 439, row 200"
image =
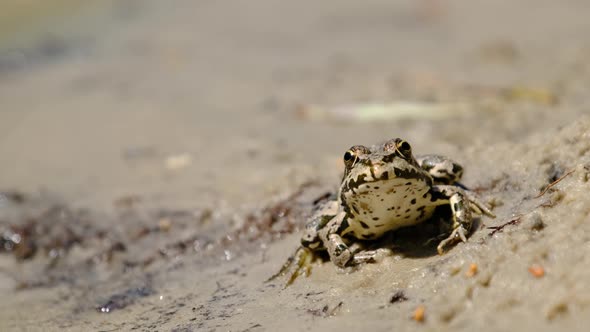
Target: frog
column 384, row 188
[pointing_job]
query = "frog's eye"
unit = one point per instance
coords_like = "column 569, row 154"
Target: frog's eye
column 353, row 154
column 348, row 156
column 404, row 147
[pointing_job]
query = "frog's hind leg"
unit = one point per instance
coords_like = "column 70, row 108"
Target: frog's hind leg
column 442, row 169
column 302, row 259
column 477, row 205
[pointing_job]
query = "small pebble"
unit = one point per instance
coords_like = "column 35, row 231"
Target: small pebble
column 536, row 271
column 419, row 313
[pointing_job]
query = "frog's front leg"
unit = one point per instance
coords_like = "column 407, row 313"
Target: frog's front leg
column 340, row 253
column 463, row 205
column 343, row 254
column 462, row 221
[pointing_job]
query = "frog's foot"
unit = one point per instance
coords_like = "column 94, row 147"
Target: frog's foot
column 370, row 256
column 458, row 234
column 361, row 255
column 436, row 239
column 302, row 259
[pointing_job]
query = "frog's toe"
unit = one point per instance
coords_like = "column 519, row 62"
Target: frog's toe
column 478, row 206
column 458, row 234
column 482, row 209
column 489, row 212
column 301, row 259
column 371, row 256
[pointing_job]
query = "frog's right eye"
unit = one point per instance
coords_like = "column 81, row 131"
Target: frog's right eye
column 348, row 156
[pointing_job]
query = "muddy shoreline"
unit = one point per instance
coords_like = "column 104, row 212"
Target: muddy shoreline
column 159, row 165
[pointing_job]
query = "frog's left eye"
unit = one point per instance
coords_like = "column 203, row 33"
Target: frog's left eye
column 348, row 156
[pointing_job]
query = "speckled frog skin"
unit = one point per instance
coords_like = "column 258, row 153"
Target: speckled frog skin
column 384, row 188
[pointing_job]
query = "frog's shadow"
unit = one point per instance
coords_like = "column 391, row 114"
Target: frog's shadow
column 421, row 241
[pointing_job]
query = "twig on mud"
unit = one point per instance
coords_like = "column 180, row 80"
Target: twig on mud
column 547, row 204
column 497, row 229
column 398, row 296
column 554, row 183
column 325, row 311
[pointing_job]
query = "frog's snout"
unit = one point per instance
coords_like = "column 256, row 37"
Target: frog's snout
column 381, row 170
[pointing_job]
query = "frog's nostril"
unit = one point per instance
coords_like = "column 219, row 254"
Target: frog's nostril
column 375, row 169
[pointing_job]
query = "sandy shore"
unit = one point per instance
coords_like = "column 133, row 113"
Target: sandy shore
column 158, row 164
